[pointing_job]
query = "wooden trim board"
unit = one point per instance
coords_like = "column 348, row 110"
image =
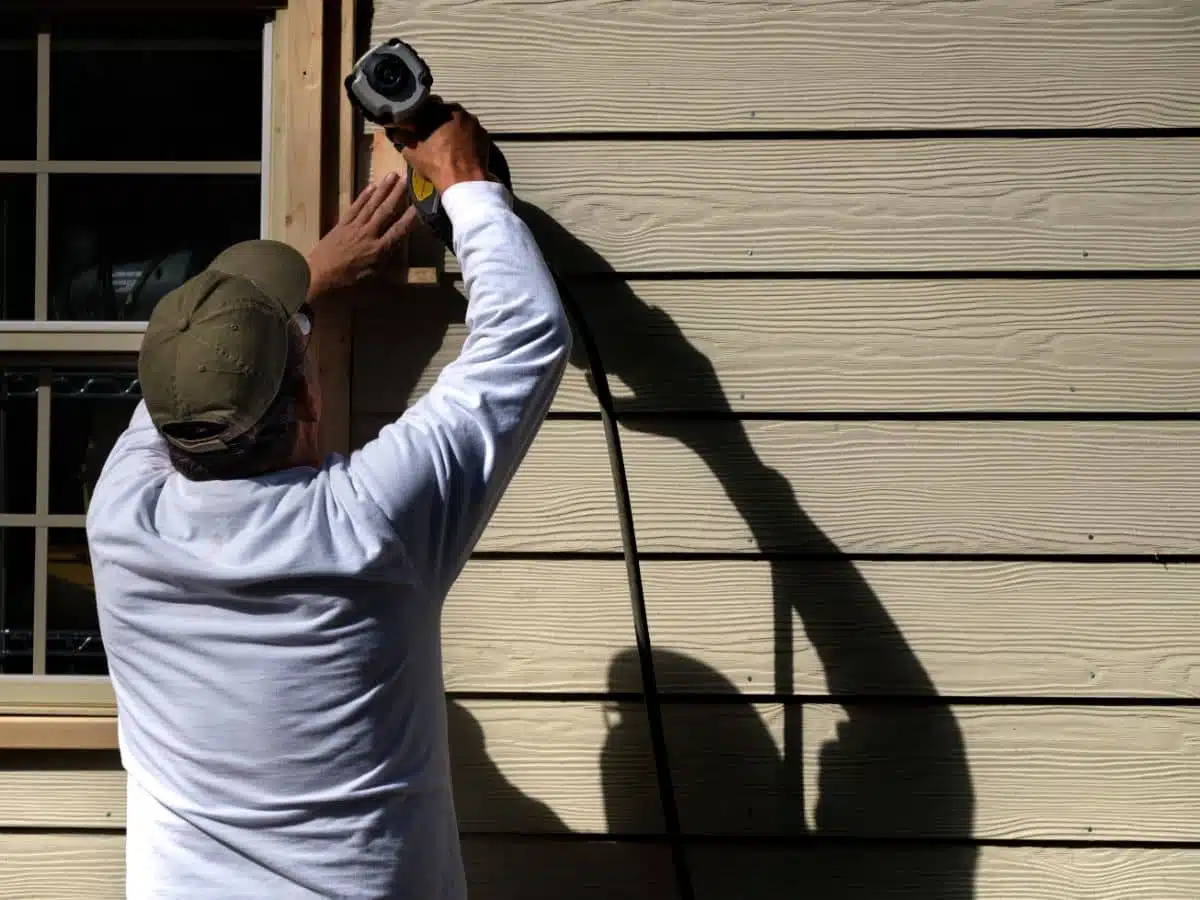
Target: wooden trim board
column 58, row 733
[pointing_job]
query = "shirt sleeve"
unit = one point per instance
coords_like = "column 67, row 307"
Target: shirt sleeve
column 139, row 448
column 439, row 471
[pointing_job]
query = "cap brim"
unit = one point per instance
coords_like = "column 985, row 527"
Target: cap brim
column 279, row 270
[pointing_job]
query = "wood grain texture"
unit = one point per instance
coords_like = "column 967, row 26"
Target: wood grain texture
column 818, row 206
column 923, row 872
column 538, row 767
column 550, row 767
column 92, row 867
column 915, row 628
column 62, row 866
column 820, row 488
column 40, row 789
column 1027, row 772
column 58, row 732
column 539, row 625
column 1017, row 772
column 998, row 629
column 306, row 175
column 806, row 64
column 912, row 487
column 56, row 695
column 581, row 518
column 830, row 345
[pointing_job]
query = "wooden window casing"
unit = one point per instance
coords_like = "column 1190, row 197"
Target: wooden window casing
column 307, row 174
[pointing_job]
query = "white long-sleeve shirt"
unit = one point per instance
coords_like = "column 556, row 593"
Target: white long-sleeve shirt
column 274, row 643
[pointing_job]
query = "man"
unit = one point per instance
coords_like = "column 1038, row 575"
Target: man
column 272, row 618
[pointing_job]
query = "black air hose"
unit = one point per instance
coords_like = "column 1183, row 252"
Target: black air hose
column 633, row 570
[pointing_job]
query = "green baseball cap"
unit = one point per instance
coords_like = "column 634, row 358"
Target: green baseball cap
column 216, row 348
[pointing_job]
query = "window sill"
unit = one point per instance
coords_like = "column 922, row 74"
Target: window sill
column 55, row 696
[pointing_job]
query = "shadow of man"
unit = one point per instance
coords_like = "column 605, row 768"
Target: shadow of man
column 505, row 851
column 892, row 770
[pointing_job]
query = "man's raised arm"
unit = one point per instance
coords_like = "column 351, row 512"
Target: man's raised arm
column 439, row 471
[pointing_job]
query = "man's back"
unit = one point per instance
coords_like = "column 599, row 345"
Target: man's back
column 281, row 682
column 274, row 642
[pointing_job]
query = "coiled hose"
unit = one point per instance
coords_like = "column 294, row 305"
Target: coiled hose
column 633, row 571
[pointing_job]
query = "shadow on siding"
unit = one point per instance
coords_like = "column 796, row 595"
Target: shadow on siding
column 891, row 771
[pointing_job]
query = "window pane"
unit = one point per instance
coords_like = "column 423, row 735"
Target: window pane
column 17, row 198
column 18, row 75
column 18, row 441
column 16, row 601
column 187, row 87
column 73, row 645
column 119, row 242
column 88, row 412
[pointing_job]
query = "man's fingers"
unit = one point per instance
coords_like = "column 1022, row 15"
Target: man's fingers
column 381, row 193
column 359, row 202
column 400, row 227
column 385, row 213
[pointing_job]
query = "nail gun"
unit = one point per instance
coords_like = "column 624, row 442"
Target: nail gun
column 391, row 86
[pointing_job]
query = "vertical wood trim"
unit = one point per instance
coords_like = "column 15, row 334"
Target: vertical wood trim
column 334, row 322
column 348, row 132
column 275, row 167
column 312, row 171
column 307, row 173
column 300, row 174
column 268, row 128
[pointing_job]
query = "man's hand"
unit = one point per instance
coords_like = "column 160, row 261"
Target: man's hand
column 454, row 149
column 364, row 239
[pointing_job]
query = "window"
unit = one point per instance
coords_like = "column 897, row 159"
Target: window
column 133, row 152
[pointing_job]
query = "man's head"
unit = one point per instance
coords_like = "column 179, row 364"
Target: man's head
column 224, row 365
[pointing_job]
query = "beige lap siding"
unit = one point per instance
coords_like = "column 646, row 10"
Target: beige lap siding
column 91, row 867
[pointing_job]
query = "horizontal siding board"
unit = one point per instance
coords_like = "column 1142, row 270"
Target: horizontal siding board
column 92, row 867
column 914, row 628
column 833, row 345
column 993, row 772
column 540, row 767
column 504, row 869
column 925, row 872
column 807, row 64
column 835, row 206
column 995, row 629
column 581, row 519
column 61, row 789
column 44, row 866
column 913, row 487
column 536, row 625
column 551, row 767
column 837, row 487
